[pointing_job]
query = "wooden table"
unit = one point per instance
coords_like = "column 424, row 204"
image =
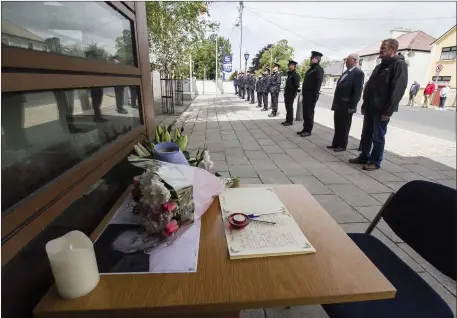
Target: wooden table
column 337, row 272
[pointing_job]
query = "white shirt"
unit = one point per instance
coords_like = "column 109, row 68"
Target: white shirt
column 444, row 91
column 347, row 73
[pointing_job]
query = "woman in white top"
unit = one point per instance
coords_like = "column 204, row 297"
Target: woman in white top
column 443, row 95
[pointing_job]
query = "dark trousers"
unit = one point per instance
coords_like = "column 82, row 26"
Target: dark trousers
column 308, row 115
column 274, row 102
column 65, row 105
column 342, row 122
column 133, row 96
column 265, row 100
column 96, row 94
column 252, row 92
column 119, row 92
column 243, row 92
column 374, row 132
column 442, row 101
column 236, row 89
column 248, row 93
column 259, row 98
column 289, row 101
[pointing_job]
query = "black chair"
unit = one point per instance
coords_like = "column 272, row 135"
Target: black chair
column 423, row 214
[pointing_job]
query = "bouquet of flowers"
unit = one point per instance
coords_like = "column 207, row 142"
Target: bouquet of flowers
column 161, row 208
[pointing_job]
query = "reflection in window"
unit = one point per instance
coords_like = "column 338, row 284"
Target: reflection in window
column 83, row 29
column 448, row 53
column 46, row 133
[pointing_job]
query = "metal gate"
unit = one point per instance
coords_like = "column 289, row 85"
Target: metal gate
column 179, row 91
column 166, row 89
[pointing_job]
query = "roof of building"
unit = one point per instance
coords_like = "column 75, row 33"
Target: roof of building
column 443, row 35
column 334, row 69
column 9, row 28
column 415, row 41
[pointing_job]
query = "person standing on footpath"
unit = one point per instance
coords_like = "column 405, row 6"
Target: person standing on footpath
column 258, row 89
column 290, row 92
column 252, row 82
column 247, row 84
column 242, row 84
column 412, row 93
column 265, row 88
column 235, row 84
column 428, row 91
column 347, row 95
column 275, row 84
column 310, row 91
column 383, row 92
column 443, row 95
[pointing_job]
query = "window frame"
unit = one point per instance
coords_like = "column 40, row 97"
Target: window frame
column 27, row 70
column 448, row 50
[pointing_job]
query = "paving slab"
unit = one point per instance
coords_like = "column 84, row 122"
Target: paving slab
column 327, row 176
column 273, row 177
column 368, row 184
column 353, row 195
column 338, row 209
column 245, row 171
column 313, row 185
column 296, row 312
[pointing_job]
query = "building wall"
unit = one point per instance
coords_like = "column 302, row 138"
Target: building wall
column 449, row 66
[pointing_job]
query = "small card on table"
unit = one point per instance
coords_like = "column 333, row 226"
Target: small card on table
column 260, row 239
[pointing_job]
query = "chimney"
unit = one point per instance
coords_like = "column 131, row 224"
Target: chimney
column 396, row 32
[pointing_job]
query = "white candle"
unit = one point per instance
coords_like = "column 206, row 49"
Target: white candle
column 73, row 264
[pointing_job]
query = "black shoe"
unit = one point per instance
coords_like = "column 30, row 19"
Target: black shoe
column 339, row 149
column 135, row 106
column 331, row 147
column 100, row 120
column 300, row 132
column 287, row 124
column 259, row 106
column 273, row 115
column 358, row 160
column 122, row 111
column 284, row 122
column 264, row 109
column 305, row 134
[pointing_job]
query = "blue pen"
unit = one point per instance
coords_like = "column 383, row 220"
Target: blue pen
column 256, row 215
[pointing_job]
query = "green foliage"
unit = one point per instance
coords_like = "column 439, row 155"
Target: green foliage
column 173, row 29
column 256, row 60
column 233, row 75
column 124, row 47
column 281, row 52
column 96, row 52
column 304, row 66
column 204, row 56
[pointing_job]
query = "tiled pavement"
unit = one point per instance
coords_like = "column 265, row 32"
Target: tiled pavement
column 244, row 142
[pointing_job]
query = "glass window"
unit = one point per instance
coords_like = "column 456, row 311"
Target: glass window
column 46, row 133
column 448, row 53
column 441, row 80
column 92, row 30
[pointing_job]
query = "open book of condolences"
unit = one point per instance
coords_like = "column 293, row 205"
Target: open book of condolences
column 279, row 235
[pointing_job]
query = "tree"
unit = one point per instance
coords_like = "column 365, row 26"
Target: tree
column 233, row 75
column 255, row 63
column 281, row 52
column 173, row 29
column 304, row 66
column 204, row 56
column 124, row 47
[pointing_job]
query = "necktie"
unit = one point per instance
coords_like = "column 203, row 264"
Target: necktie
column 344, row 75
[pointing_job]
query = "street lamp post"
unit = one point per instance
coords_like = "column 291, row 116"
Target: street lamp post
column 246, row 58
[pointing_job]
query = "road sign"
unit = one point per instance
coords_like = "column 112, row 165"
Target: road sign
column 439, row 68
column 227, row 63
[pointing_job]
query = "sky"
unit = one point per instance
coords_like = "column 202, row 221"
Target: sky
column 269, row 22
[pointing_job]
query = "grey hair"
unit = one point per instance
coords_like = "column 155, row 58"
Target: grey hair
column 355, row 56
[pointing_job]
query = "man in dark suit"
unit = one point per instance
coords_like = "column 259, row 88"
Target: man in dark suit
column 310, row 91
column 347, row 94
column 290, row 92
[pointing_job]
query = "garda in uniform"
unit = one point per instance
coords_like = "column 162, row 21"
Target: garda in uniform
column 252, row 82
column 265, row 88
column 258, row 89
column 290, row 92
column 310, row 90
column 275, row 86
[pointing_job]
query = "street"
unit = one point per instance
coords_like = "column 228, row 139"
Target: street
column 427, row 121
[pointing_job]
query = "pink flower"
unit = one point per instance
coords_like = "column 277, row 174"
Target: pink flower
column 169, row 207
column 171, row 228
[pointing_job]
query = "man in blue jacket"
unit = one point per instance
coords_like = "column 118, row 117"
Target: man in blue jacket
column 413, row 92
column 383, row 92
column 347, row 95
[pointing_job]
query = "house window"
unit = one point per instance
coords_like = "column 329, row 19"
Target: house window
column 448, row 53
column 441, row 80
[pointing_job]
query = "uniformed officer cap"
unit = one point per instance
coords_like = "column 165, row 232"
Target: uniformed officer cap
column 292, row 62
column 316, row 54
column 276, row 64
